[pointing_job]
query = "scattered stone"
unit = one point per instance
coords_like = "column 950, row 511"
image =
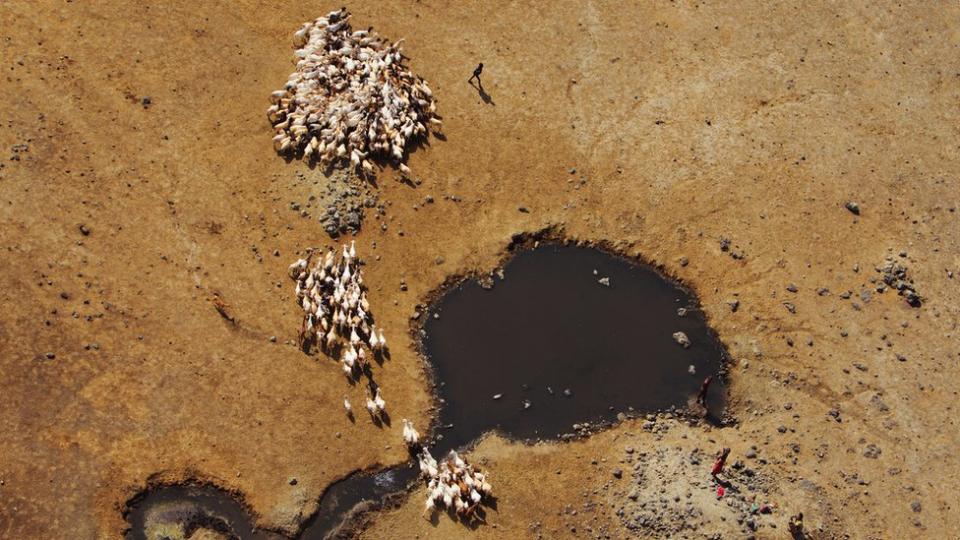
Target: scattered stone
column 681, row 339
column 605, row 281
column 497, row 396
column 734, row 305
column 84, row 230
column 916, row 507
column 792, row 288
column 524, row 210
column 852, row 207
column 618, row 473
column 790, row 307
column 872, row 451
column 681, row 312
column 292, row 481
column 50, row 356
column 684, row 261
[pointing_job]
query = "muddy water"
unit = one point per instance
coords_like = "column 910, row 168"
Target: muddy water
column 550, row 346
column 191, row 507
column 547, row 347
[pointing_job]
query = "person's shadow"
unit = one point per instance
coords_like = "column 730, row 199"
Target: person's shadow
column 483, row 93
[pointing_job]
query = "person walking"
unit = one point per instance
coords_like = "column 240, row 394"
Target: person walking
column 476, row 75
column 719, row 464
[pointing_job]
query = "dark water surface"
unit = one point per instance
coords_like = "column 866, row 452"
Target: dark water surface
column 553, row 343
column 561, row 348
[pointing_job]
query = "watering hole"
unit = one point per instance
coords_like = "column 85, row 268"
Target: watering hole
column 571, row 335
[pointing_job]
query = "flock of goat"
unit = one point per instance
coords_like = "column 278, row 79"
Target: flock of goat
column 350, row 97
column 454, row 485
column 337, row 315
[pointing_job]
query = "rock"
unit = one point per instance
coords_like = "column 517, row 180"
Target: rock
column 790, row 307
column 497, row 396
column 292, row 481
column 146, row 101
column 872, row 451
column 681, row 339
column 684, row 261
column 792, row 287
column 352, row 220
column 273, row 339
column 523, row 209
column 439, row 260
column 84, row 230
column 724, row 244
column 618, row 473
column 734, row 305
column 915, row 506
column 50, row 356
column 681, row 312
column 567, row 392
column 852, row 207
column 605, row 281
column 750, row 453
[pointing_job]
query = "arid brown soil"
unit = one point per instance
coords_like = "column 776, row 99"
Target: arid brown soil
column 147, row 228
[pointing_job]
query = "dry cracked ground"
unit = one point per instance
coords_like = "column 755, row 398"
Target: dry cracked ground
column 139, row 193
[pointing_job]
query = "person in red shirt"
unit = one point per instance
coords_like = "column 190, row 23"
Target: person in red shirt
column 721, row 461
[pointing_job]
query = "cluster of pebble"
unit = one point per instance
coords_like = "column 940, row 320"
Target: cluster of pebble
column 453, row 484
column 337, row 312
column 895, row 276
column 350, row 97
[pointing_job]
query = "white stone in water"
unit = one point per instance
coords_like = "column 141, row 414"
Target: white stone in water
column 692, row 370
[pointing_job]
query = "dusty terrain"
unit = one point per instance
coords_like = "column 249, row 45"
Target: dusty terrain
column 139, row 190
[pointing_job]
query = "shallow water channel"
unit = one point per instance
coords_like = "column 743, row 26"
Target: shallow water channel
column 571, row 335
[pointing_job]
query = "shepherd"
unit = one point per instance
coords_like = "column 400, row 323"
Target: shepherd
column 476, row 75
column 702, row 395
column 721, row 461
